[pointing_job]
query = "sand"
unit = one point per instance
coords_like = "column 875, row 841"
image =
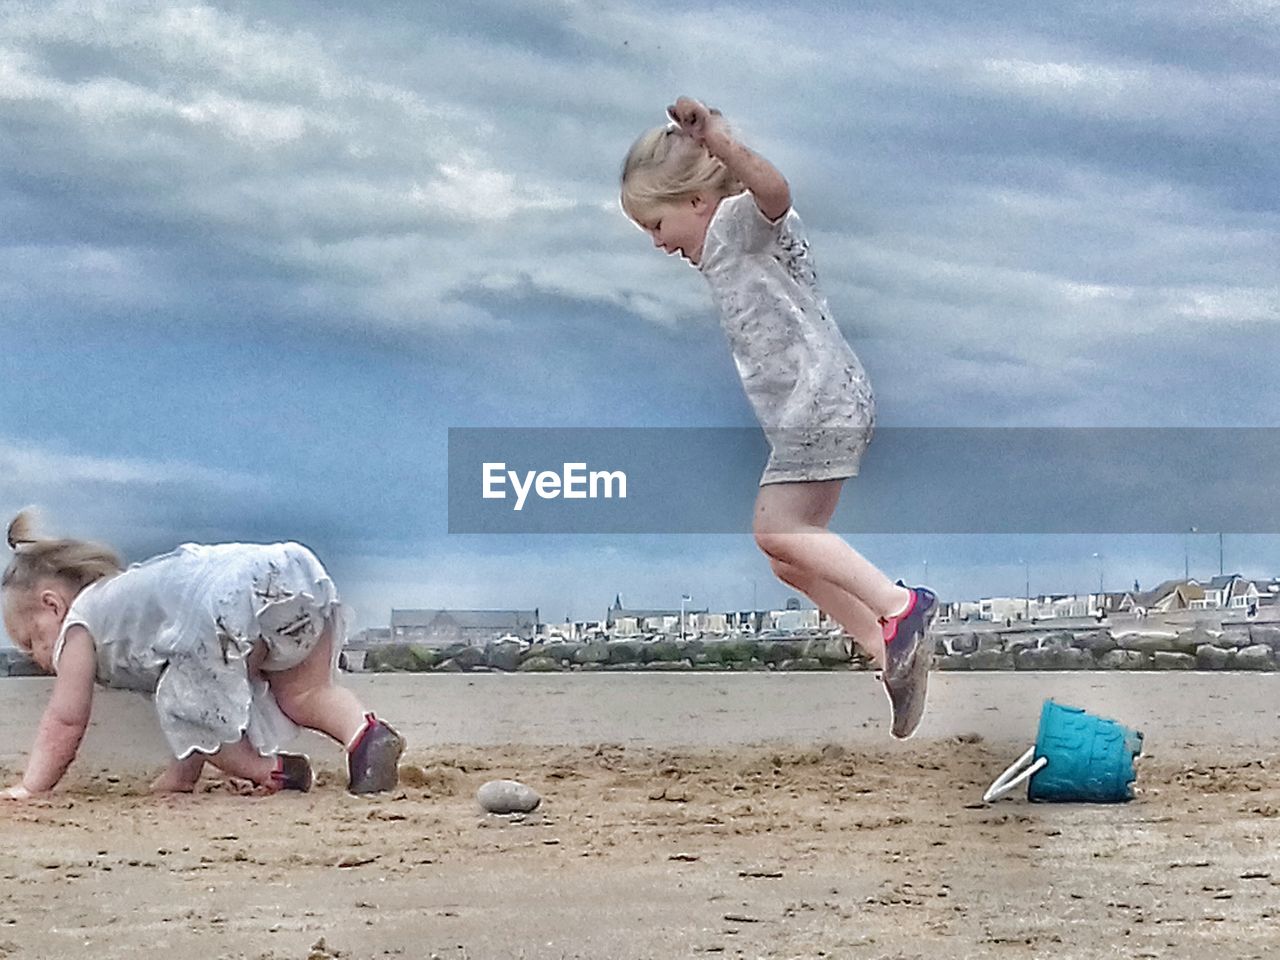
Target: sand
column 685, row 816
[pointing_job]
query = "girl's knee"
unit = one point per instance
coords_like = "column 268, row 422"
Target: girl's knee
column 773, row 545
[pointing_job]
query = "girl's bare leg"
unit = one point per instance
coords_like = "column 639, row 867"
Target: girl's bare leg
column 310, row 698
column 847, row 610
column 791, row 526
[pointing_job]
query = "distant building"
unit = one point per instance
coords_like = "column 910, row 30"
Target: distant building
column 1170, row 595
column 443, row 628
column 795, row 620
column 1230, row 591
column 1002, row 609
column 624, row 622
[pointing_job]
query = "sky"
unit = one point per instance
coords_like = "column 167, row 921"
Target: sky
column 256, row 259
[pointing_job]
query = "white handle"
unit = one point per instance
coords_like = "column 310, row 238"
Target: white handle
column 1016, row 773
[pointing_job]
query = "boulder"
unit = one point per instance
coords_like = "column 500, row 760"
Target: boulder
column 538, row 665
column 622, row 652
column 801, row 663
column 1147, row 642
column 964, row 643
column 1256, row 657
column 468, row 658
column 1053, row 658
column 1164, row 660
column 1123, row 660
column 597, row 651
column 952, row 661
column 1235, row 635
column 1097, row 642
column 400, row 656
column 688, row 649
column 560, row 652
column 1209, row 657
column 733, row 651
column 991, row 660
column 989, row 641
column 507, row 796
column 830, row 651
column 780, row 651
column 1187, row 641
column 503, row 656
column 1265, row 634
column 1056, row 639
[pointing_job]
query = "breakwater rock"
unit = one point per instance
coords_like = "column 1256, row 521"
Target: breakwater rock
column 1229, row 646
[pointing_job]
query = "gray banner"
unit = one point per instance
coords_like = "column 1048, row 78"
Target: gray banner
column 912, row 480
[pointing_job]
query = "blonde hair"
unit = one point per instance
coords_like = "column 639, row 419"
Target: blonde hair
column 76, row 562
column 665, row 165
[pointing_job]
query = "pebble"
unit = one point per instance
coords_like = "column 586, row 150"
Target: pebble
column 507, row 796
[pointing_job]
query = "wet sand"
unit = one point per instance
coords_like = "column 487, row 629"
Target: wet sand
column 702, row 815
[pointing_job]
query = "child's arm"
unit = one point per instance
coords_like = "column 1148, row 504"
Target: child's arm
column 65, row 718
column 769, row 187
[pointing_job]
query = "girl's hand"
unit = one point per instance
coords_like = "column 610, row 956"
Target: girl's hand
column 18, row 792
column 694, row 118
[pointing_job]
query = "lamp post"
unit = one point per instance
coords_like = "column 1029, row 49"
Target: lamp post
column 1099, row 558
column 926, row 573
column 1186, row 556
column 684, row 598
column 1026, row 595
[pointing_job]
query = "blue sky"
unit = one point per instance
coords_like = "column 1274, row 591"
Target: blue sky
column 256, row 259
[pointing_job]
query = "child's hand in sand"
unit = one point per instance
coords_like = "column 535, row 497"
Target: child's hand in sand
column 695, row 118
column 18, row 792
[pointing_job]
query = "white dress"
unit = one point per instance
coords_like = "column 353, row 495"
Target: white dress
column 806, row 385
column 181, row 625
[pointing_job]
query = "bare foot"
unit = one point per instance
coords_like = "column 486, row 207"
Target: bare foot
column 181, row 776
column 169, row 782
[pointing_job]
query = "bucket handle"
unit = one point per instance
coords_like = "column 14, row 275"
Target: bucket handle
column 1017, row 772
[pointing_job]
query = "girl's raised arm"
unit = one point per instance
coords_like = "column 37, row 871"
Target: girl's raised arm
column 65, row 719
column 767, row 185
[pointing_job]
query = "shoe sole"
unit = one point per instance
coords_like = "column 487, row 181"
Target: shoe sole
column 921, row 678
column 290, row 781
column 383, row 763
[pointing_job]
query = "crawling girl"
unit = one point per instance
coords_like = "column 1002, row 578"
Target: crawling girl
column 238, row 644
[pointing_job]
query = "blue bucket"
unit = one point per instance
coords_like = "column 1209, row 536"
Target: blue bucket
column 1078, row 758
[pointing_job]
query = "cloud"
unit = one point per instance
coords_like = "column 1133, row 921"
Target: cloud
column 25, row 465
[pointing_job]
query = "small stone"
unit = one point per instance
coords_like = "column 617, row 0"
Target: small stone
column 507, row 796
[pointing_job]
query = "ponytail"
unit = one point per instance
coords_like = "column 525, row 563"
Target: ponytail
column 76, row 562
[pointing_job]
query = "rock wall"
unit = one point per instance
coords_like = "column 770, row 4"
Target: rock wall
column 1232, row 646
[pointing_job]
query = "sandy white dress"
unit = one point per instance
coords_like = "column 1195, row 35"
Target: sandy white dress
column 181, row 625
column 806, row 385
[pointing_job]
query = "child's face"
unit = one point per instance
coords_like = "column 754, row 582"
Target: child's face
column 33, row 619
column 679, row 226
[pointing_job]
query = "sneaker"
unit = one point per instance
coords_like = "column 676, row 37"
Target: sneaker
column 908, row 657
column 292, row 772
column 373, row 758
